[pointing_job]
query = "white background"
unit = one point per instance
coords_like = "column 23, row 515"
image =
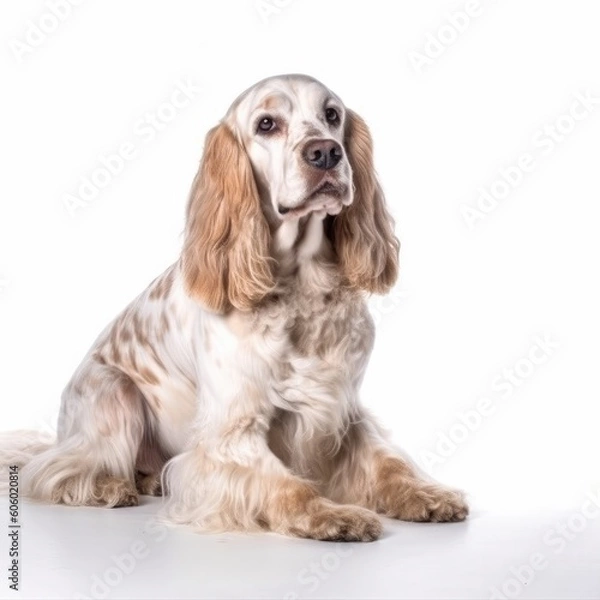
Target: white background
column 469, row 302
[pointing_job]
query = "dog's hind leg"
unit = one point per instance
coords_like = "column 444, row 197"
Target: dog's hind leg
column 101, row 426
column 151, row 458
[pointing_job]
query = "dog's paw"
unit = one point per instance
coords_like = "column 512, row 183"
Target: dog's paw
column 341, row 523
column 148, row 485
column 431, row 502
column 114, row 492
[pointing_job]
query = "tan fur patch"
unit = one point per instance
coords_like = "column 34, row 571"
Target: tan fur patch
column 148, row 376
column 270, row 102
column 226, row 257
column 344, row 523
column 293, row 499
column 162, row 287
column 107, row 491
column 400, row 494
column 363, row 233
column 164, row 326
column 296, row 509
column 148, row 485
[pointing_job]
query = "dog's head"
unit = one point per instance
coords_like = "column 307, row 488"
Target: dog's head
column 293, row 129
column 287, row 147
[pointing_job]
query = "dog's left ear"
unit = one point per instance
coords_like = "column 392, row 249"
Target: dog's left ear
column 363, row 233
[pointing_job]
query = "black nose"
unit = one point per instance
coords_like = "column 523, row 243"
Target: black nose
column 322, row 154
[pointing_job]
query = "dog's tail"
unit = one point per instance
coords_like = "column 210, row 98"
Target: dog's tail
column 17, row 449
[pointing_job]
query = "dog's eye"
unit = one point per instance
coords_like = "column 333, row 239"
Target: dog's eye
column 331, row 115
column 266, row 124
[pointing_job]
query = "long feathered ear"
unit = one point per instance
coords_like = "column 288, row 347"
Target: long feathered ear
column 363, row 232
column 226, row 254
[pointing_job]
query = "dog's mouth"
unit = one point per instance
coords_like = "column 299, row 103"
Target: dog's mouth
column 328, row 196
column 326, row 188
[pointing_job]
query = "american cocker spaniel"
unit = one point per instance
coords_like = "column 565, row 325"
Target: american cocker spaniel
column 232, row 382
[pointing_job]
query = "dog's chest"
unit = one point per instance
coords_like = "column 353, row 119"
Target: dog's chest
column 318, row 326
column 309, row 325
column 317, row 344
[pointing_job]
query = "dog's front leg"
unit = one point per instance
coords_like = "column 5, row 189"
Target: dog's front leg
column 401, row 493
column 231, row 480
column 228, row 477
column 369, row 472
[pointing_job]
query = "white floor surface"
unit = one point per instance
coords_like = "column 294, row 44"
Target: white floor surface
column 125, row 553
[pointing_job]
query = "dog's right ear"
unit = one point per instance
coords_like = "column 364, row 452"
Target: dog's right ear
column 226, row 254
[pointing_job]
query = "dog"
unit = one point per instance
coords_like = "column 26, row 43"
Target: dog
column 232, row 382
